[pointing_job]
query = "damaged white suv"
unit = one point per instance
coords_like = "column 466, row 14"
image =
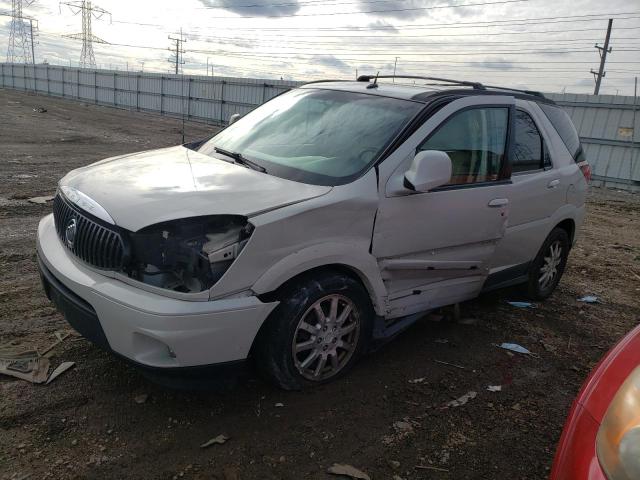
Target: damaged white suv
column 332, row 216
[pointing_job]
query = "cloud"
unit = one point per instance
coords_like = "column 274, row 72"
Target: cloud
column 259, row 8
column 383, row 26
column 331, row 62
column 401, row 9
column 494, row 63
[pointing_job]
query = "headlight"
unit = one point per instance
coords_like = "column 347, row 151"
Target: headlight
column 187, row 255
column 618, row 440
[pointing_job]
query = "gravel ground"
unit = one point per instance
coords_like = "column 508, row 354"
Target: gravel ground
column 387, row 417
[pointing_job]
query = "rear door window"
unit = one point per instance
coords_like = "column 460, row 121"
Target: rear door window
column 565, row 128
column 528, row 153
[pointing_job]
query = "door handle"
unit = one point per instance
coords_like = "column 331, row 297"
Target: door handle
column 498, row 202
column 553, row 183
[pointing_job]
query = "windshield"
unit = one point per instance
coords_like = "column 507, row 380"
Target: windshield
column 323, row 137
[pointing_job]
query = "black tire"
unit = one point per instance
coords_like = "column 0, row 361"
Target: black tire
column 274, row 349
column 537, row 289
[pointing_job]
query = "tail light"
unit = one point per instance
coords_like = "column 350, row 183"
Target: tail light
column 585, row 168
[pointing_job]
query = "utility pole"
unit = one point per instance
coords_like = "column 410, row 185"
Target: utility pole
column 89, row 11
column 599, row 75
column 18, row 50
column 178, row 51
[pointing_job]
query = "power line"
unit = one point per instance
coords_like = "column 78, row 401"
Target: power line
column 362, row 12
column 434, row 25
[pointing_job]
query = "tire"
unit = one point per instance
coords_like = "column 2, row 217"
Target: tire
column 548, row 266
column 343, row 337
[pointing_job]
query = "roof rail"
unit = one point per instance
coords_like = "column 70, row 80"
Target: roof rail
column 528, row 92
column 476, row 85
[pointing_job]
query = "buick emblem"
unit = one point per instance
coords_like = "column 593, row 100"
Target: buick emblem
column 70, row 232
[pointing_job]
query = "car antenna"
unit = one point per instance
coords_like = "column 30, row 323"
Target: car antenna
column 375, row 82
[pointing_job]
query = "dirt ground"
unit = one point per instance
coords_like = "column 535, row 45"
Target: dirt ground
column 88, row 424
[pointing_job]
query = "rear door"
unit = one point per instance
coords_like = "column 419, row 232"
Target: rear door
column 538, row 190
column 435, row 248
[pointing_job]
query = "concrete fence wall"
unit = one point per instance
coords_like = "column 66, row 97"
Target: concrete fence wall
column 609, row 126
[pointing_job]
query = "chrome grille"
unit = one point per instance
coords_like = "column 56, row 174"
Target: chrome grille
column 93, row 242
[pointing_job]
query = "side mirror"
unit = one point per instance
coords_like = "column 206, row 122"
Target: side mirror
column 429, row 169
column 234, row 118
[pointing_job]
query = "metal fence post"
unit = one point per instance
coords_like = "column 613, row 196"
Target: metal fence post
column 62, row 81
column 161, row 92
column 189, row 98
column 47, row 78
column 78, row 83
column 95, row 87
column 138, row 93
column 222, row 102
column 115, row 99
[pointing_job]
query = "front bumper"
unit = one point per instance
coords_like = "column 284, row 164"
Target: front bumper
column 149, row 329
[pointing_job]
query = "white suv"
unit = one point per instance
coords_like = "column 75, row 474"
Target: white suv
column 328, row 218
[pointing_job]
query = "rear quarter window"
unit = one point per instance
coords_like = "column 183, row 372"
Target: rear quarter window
column 564, row 126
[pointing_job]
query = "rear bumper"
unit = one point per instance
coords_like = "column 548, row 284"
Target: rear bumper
column 150, row 330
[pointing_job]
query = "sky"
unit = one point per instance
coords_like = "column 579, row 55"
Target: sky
column 545, row 45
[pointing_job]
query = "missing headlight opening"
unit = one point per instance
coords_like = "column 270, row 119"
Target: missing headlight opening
column 187, row 255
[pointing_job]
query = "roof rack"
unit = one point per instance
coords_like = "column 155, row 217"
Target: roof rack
column 528, row 92
column 475, row 85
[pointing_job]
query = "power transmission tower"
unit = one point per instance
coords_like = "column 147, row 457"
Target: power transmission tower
column 19, row 50
column 177, row 51
column 89, row 11
column 599, row 75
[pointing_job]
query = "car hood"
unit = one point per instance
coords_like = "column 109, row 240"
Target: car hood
column 145, row 188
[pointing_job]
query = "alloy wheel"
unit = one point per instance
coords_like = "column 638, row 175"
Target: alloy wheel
column 326, row 337
column 549, row 270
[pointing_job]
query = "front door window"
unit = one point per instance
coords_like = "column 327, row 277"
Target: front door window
column 475, row 140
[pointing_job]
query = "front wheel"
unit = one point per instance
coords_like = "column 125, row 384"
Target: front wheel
column 548, row 266
column 321, row 327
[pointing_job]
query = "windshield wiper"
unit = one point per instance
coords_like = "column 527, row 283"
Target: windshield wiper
column 240, row 159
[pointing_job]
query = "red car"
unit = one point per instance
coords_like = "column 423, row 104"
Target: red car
column 601, row 438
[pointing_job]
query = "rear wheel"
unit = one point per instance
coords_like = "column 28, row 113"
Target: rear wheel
column 549, row 265
column 321, row 327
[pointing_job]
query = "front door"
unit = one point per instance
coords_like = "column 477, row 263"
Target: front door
column 435, row 248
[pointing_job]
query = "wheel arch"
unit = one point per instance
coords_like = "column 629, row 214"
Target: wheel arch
column 338, row 257
column 569, row 226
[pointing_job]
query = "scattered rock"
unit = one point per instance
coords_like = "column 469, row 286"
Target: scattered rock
column 463, row 399
column 40, row 200
column 142, row 398
column 494, row 388
column 219, row 440
column 279, row 405
column 347, row 470
column 394, row 464
column 417, row 380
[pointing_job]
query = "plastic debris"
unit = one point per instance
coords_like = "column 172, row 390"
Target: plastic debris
column 463, row 399
column 219, row 440
column 40, row 110
column 279, row 405
column 522, row 304
column 26, row 365
column 348, row 471
column 140, row 399
column 417, row 380
column 494, row 388
column 40, row 200
column 59, row 370
column 514, row 347
column 589, row 299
